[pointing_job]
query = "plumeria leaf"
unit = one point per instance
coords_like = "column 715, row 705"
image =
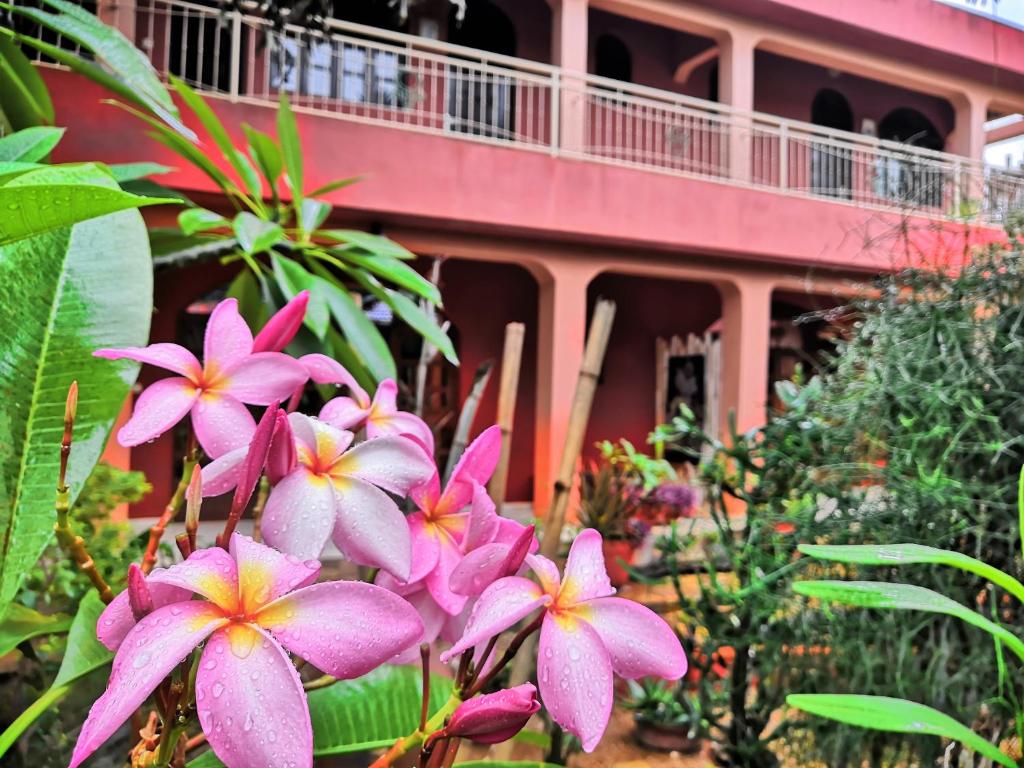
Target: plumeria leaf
column 393, row 270
column 410, row 312
column 342, row 351
column 912, row 554
column 256, row 235
column 905, row 597
column 360, row 331
column 123, row 172
column 896, row 715
column 58, row 196
column 370, row 712
column 57, row 304
column 370, row 243
column 29, row 145
column 172, row 248
column 291, row 151
column 85, row 654
column 24, row 98
column 246, row 290
column 266, row 153
column 333, row 186
column 21, row 623
column 193, row 220
column 314, row 213
column 292, row 277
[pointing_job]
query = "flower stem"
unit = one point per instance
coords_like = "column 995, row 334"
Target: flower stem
column 173, row 505
column 513, row 648
column 257, row 508
column 416, row 738
column 425, row 665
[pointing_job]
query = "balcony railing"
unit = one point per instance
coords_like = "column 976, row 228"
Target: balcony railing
column 361, row 73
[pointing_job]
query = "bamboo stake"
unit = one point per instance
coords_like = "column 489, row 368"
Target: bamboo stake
column 511, row 359
column 427, row 351
column 466, row 416
column 586, row 384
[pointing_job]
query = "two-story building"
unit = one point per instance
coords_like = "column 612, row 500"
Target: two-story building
column 716, row 167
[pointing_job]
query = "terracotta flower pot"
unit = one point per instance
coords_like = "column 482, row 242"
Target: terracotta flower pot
column 667, row 738
column 614, row 550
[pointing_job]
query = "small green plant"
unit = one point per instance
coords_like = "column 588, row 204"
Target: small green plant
column 608, row 499
column 658, row 702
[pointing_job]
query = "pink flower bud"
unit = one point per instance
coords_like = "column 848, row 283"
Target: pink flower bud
column 518, row 551
column 281, row 459
column 494, row 717
column 255, row 459
column 282, row 327
column 139, row 598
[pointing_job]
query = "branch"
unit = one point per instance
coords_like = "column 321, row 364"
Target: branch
column 173, row 505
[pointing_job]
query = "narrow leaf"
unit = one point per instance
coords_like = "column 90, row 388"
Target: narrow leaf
column 375, row 244
column 256, row 235
column 266, row 154
column 360, row 332
column 193, row 220
column 24, row 97
column 393, row 270
column 333, row 186
column 292, row 278
column 29, row 145
column 409, row 311
column 291, row 150
column 123, row 172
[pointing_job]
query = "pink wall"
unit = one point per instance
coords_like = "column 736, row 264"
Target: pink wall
column 480, row 299
column 646, row 308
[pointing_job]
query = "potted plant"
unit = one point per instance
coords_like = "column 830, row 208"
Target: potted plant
column 668, row 716
column 608, row 501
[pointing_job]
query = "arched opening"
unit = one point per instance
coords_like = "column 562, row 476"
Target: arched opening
column 910, row 179
column 831, row 165
column 612, row 59
column 482, row 104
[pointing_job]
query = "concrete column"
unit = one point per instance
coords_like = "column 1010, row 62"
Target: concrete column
column 736, row 88
column 746, row 335
column 968, row 137
column 119, row 14
column 561, row 335
column 569, row 47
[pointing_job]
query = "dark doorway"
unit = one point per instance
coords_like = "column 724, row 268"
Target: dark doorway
column 912, row 178
column 482, row 103
column 612, row 59
column 831, row 163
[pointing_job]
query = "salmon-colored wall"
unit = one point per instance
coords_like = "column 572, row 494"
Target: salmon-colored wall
column 646, row 308
column 480, row 299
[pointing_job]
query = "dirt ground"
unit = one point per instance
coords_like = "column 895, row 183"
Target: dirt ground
column 618, row 749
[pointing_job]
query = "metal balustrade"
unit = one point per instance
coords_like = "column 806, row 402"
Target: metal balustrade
column 361, row 73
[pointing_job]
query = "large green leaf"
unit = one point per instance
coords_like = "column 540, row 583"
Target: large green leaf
column 84, row 655
column 256, row 235
column 29, row 145
column 58, row 196
column 904, row 597
column 266, row 154
column 21, row 623
column 912, row 554
column 393, row 270
column 418, row 320
column 360, row 332
column 371, row 712
column 373, row 244
column 24, row 99
column 292, row 278
column 291, row 151
column 882, row 713
column 62, row 295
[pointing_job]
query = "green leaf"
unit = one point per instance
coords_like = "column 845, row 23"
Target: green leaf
column 409, row 311
column 333, row 186
column 393, row 270
column 171, row 248
column 882, row 713
column 30, row 145
column 342, row 351
column 912, row 554
column 24, row 98
column 251, row 305
column 21, row 623
column 193, row 220
column 59, row 302
column 904, row 597
column 375, row 244
column 266, row 154
column 85, row 654
column 292, row 278
column 256, row 235
column 57, row 196
column 370, row 712
column 123, row 172
column 360, row 332
column 291, row 150
column 1020, row 509
column 314, row 212
column 220, row 137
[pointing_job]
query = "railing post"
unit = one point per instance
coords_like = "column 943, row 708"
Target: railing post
column 783, row 156
column 236, row 54
column 957, row 192
column 556, row 102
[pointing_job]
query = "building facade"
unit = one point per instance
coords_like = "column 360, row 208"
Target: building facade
column 717, row 168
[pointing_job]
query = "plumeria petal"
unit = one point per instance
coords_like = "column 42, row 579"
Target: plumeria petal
column 483, row 520
column 222, row 423
column 385, row 399
column 392, row 463
column 585, row 576
column 149, row 652
column 370, row 529
column 484, row 565
column 426, row 496
column 117, row 619
column 221, row 474
column 282, row 326
column 209, row 572
column 160, row 406
column 344, row 628
column 574, row 674
column 547, row 573
column 402, row 423
column 263, row 378
column 438, row 579
column 282, row 457
column 264, row 574
column 228, row 339
column 299, row 514
column 344, row 413
column 326, row 370
column 425, row 546
column 637, row 639
column 250, row 701
column 475, row 467
column 171, row 357
column 501, row 605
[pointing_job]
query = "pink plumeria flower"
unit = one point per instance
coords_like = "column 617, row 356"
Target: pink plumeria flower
column 379, row 416
column 249, row 698
column 441, row 525
column 281, row 328
column 335, row 491
column 585, row 636
column 494, row 717
column 214, row 393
